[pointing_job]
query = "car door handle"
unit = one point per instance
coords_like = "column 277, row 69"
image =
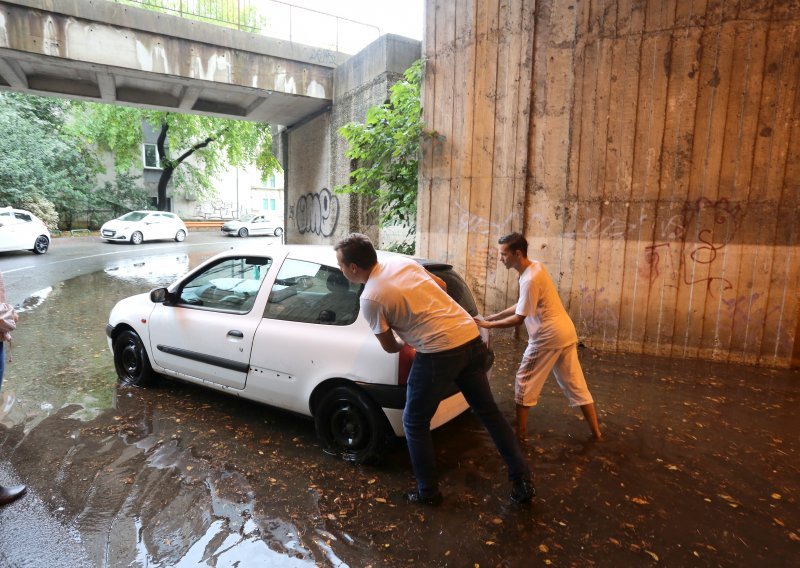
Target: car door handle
column 236, row 333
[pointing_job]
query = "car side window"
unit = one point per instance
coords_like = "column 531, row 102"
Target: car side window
column 310, row 292
column 22, row 217
column 230, row 285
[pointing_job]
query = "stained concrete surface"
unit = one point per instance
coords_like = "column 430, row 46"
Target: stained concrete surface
column 699, row 466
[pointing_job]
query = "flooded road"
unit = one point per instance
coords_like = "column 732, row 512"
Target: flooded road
column 699, row 466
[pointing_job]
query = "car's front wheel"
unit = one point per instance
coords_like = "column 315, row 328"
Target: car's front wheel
column 131, row 361
column 180, row 236
column 350, row 424
column 278, row 231
column 41, row 245
column 137, row 238
column 243, row 232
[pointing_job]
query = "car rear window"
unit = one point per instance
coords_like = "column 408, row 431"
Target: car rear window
column 456, row 288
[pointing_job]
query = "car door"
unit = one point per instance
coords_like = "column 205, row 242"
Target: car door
column 310, row 332
column 259, row 224
column 8, row 235
column 206, row 333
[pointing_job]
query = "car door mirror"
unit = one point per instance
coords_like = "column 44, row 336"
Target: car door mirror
column 159, row 295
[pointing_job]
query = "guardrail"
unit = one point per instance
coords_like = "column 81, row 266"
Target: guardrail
column 272, row 18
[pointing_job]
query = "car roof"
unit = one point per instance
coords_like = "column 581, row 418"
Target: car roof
column 323, row 254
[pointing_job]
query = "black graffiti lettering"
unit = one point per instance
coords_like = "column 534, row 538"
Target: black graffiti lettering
column 317, row 213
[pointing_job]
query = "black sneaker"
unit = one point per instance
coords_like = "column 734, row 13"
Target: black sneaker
column 522, row 491
column 417, row 499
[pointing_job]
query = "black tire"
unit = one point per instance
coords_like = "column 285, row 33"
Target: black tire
column 278, row 231
column 351, row 425
column 131, row 360
column 180, row 236
column 41, row 245
column 137, row 238
column 243, row 232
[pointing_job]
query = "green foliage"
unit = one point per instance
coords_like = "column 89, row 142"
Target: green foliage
column 226, row 13
column 386, row 151
column 39, row 166
column 212, row 143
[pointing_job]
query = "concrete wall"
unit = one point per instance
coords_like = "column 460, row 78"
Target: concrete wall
column 649, row 151
column 316, row 214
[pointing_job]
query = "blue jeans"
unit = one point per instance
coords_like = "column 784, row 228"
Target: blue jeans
column 431, row 375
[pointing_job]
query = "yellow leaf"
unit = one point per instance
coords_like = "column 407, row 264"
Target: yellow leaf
column 371, row 481
column 497, row 521
column 380, row 499
column 776, row 496
column 189, row 468
column 639, row 501
column 543, row 548
column 653, row 555
column 614, row 541
column 490, row 542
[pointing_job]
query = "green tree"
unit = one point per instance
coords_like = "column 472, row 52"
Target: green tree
column 41, row 169
column 212, row 143
column 227, row 13
column 385, row 149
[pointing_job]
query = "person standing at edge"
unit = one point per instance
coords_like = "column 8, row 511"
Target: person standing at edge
column 8, row 323
column 552, row 339
column 401, row 296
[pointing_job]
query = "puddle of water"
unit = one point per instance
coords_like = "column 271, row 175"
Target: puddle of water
column 181, row 476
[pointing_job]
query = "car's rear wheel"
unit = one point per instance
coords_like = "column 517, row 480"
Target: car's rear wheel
column 180, row 236
column 350, row 424
column 137, row 238
column 278, row 231
column 41, row 245
column 131, row 361
column 243, row 232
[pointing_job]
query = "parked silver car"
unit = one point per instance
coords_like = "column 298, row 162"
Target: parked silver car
column 253, row 224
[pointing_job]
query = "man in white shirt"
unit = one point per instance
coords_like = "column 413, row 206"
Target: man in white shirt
column 552, row 339
column 400, row 296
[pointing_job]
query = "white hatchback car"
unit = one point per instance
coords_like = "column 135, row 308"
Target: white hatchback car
column 139, row 226
column 281, row 327
column 22, row 230
column 253, row 224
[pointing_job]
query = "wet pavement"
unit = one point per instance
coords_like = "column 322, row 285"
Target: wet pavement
column 699, row 466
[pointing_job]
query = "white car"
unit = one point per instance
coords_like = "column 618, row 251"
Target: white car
column 253, row 224
column 139, row 226
column 22, row 230
column 281, row 327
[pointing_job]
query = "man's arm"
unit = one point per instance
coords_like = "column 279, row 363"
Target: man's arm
column 509, row 321
column 389, row 342
column 509, row 311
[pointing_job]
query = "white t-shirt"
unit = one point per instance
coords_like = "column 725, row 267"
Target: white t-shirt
column 401, row 295
column 548, row 324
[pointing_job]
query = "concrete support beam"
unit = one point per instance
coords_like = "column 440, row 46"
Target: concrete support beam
column 12, row 74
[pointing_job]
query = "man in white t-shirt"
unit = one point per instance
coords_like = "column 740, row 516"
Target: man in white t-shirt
column 401, row 297
column 552, row 339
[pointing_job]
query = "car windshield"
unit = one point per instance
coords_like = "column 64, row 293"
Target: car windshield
column 134, row 216
column 247, row 218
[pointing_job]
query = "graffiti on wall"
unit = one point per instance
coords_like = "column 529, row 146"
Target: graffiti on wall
column 703, row 229
column 317, row 213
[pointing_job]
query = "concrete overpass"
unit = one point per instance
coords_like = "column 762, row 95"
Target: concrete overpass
column 112, row 53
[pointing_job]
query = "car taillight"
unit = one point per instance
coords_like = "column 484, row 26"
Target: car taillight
column 407, row 354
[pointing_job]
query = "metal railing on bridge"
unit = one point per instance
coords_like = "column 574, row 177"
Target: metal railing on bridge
column 271, row 18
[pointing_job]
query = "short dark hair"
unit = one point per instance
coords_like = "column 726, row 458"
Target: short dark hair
column 514, row 241
column 357, row 248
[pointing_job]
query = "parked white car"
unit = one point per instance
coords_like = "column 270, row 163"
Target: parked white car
column 139, row 226
column 22, row 230
column 280, row 326
column 253, row 224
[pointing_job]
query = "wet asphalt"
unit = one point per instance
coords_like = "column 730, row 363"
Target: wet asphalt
column 699, row 465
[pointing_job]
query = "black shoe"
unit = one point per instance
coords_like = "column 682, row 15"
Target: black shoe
column 9, row 494
column 417, row 499
column 522, row 491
